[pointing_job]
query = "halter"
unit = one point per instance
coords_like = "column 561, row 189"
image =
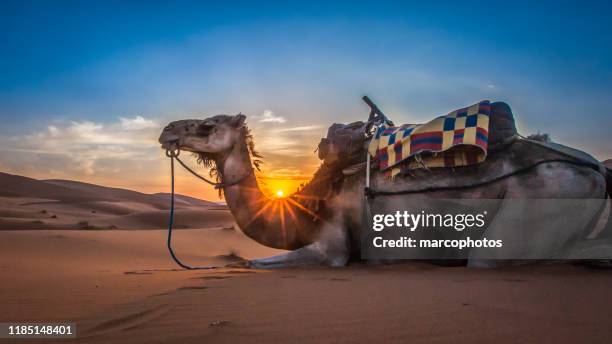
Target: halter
column 174, row 154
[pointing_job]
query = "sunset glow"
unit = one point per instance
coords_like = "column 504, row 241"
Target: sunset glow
column 279, row 187
column 78, row 117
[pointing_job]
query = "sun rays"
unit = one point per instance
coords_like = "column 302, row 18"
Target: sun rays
column 279, row 187
column 283, row 210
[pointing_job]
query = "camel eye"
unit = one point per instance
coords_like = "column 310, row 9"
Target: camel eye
column 206, row 129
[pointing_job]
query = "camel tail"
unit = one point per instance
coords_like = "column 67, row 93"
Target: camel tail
column 609, row 181
column 607, row 232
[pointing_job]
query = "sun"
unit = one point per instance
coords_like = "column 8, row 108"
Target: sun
column 275, row 188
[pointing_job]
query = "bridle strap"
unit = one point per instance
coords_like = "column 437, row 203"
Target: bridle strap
column 174, row 154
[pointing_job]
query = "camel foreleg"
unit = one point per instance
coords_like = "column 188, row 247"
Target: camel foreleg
column 332, row 249
column 313, row 254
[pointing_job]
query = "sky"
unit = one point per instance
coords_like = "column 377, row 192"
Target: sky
column 86, row 86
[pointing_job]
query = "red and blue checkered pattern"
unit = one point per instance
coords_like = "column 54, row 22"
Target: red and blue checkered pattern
column 459, row 138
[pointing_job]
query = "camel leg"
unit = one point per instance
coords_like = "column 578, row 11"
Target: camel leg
column 312, row 254
column 309, row 255
column 331, row 249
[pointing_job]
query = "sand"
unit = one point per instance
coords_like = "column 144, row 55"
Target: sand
column 121, row 286
column 27, row 203
column 60, row 261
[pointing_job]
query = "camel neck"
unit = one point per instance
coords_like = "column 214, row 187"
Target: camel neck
column 271, row 222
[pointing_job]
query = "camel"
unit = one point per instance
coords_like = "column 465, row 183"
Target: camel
column 322, row 224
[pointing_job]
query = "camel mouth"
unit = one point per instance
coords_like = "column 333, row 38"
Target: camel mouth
column 168, row 145
column 172, row 144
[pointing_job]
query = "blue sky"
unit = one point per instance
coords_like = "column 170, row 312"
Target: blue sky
column 117, row 71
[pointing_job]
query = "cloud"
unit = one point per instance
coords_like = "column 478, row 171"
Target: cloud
column 289, row 152
column 303, row 128
column 286, row 173
column 136, row 123
column 269, row 117
column 82, row 147
column 53, row 131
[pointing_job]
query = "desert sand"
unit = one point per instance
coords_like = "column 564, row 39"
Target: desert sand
column 120, row 285
column 27, row 203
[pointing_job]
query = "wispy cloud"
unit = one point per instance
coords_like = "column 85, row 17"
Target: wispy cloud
column 137, row 123
column 269, row 117
column 79, row 146
column 302, row 128
column 286, row 173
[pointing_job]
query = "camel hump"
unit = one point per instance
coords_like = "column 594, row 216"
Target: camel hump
column 344, row 144
column 501, row 123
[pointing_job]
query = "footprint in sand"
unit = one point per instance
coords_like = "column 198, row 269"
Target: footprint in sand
column 192, row 288
column 129, row 321
column 240, row 272
column 212, row 277
column 218, row 323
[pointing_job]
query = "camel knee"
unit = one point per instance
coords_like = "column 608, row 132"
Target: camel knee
column 335, row 246
column 337, row 259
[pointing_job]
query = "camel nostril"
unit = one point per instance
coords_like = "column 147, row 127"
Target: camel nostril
column 169, row 127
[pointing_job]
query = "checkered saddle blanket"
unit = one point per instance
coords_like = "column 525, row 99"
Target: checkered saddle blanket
column 459, row 138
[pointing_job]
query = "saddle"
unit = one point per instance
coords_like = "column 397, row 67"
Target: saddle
column 344, row 150
column 345, row 145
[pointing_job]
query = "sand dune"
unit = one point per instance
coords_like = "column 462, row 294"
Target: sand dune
column 18, row 186
column 27, row 203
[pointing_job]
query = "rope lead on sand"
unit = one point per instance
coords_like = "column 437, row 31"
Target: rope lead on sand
column 172, row 154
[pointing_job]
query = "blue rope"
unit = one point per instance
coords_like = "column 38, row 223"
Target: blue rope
column 173, row 155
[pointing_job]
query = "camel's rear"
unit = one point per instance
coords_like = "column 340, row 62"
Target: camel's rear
column 512, row 167
column 607, row 232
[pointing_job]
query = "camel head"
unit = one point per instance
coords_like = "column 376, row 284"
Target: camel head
column 210, row 137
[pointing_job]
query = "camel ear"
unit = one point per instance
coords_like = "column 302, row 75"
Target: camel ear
column 238, row 120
